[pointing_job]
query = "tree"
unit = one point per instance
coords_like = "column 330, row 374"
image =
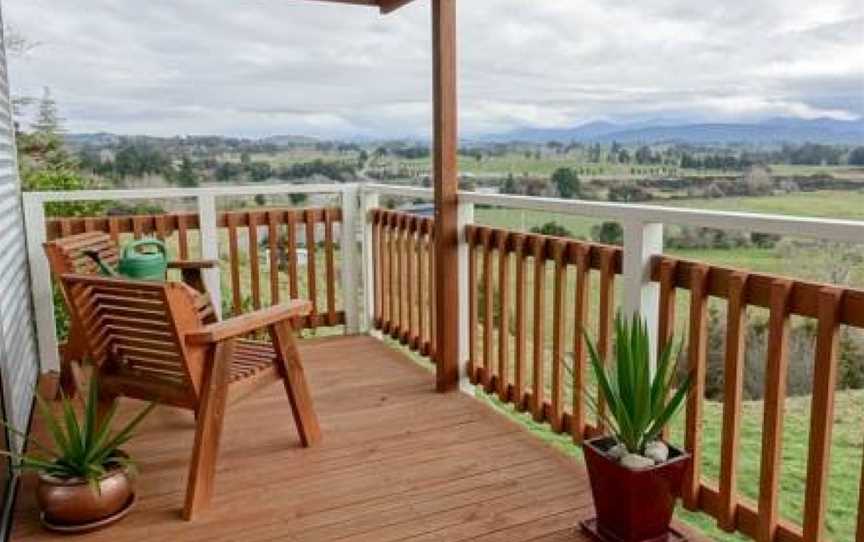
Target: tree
column 609, row 233
column 552, row 228
column 48, row 120
column 509, row 186
column 187, row 177
column 567, row 182
column 856, row 157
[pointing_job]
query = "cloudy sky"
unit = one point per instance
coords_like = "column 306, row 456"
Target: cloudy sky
column 261, row 67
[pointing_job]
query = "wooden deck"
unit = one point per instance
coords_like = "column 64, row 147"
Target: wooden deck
column 398, row 462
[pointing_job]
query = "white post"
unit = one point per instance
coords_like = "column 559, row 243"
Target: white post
column 40, row 280
column 210, row 247
column 642, row 241
column 349, row 259
column 370, row 200
column 465, row 216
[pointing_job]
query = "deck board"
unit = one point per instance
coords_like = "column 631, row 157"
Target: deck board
column 398, row 462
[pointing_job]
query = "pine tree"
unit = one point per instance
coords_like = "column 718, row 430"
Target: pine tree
column 48, row 121
column 186, row 177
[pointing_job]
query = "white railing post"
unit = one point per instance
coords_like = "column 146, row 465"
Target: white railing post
column 642, row 241
column 369, row 201
column 40, row 282
column 348, row 248
column 210, row 247
column 465, row 216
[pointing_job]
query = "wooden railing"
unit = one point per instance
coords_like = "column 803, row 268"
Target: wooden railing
column 530, row 296
column 831, row 307
column 507, row 269
column 289, row 234
column 403, row 280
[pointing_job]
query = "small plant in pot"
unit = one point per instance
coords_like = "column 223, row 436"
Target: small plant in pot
column 85, row 479
column 635, row 476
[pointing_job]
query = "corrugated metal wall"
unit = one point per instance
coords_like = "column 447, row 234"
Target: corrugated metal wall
column 19, row 363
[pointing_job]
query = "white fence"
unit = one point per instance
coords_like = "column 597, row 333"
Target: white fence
column 40, row 273
column 642, row 225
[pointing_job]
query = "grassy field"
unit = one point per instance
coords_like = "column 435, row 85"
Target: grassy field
column 830, row 204
column 845, row 465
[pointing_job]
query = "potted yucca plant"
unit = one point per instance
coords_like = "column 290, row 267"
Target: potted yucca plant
column 635, row 476
column 85, row 479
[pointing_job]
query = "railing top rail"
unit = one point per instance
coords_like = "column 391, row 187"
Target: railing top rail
column 850, row 231
column 166, row 193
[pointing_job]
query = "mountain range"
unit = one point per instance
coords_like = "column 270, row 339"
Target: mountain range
column 771, row 131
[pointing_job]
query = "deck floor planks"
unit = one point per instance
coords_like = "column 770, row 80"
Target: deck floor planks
column 398, row 462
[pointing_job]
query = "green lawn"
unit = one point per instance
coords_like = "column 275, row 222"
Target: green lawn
column 845, row 465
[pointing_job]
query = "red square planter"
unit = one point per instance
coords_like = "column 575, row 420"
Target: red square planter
column 632, row 505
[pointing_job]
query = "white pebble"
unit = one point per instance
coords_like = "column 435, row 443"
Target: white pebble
column 617, row 452
column 657, row 451
column 636, row 461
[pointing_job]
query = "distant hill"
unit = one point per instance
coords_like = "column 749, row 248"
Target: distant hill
column 104, row 139
column 772, row 131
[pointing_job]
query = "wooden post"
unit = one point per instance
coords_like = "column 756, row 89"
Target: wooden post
column 210, row 247
column 466, row 217
column 446, row 177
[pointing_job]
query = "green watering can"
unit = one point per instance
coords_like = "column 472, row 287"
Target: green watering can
column 137, row 262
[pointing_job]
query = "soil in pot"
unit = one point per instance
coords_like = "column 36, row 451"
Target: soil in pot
column 632, row 505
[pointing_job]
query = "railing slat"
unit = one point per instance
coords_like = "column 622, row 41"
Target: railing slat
column 822, row 413
column 777, row 364
column 521, row 324
column 580, row 322
column 697, row 360
column 605, row 318
column 488, row 310
column 254, row 267
column 411, row 336
column 733, row 390
column 666, row 315
column 273, row 248
column 293, row 268
column 311, row 271
column 559, row 335
column 183, row 236
column 377, row 269
column 330, row 266
column 234, row 257
column 503, row 318
column 422, row 292
column 538, row 378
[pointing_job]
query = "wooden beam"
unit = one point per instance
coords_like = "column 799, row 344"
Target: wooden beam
column 446, row 175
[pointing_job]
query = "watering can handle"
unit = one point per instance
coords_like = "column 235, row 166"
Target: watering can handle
column 143, row 243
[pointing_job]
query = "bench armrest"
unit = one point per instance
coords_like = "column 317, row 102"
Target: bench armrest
column 193, row 264
column 247, row 323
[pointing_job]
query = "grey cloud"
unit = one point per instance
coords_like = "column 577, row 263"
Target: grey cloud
column 262, row 67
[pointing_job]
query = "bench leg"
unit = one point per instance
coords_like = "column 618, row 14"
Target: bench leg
column 210, row 415
column 291, row 369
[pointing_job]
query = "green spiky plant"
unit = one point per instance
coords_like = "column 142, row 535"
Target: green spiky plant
column 85, row 449
column 639, row 403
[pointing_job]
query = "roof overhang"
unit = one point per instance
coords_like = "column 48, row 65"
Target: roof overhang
column 386, row 6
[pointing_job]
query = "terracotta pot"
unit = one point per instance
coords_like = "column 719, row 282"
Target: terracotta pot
column 632, row 505
column 73, row 501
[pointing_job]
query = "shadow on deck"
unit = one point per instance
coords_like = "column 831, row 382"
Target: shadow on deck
column 398, row 462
